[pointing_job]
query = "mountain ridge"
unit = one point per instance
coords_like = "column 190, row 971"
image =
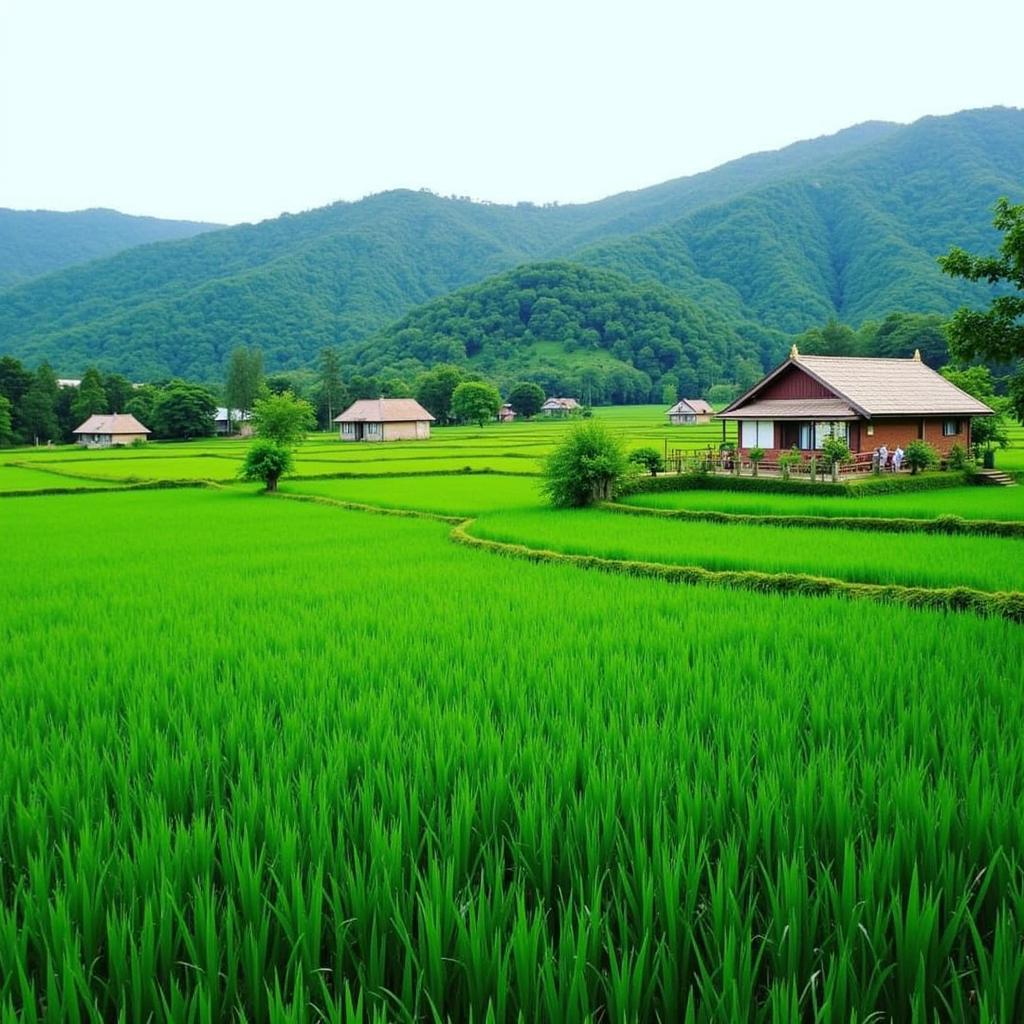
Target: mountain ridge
column 846, row 225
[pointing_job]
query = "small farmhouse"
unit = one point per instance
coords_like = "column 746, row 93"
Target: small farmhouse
column 506, row 414
column 869, row 402
column 384, row 419
column 559, row 406
column 103, row 431
column 236, row 422
column 690, row 410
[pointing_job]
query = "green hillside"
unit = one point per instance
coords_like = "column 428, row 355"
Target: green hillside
column 855, row 240
column 37, row 242
column 844, row 227
column 575, row 330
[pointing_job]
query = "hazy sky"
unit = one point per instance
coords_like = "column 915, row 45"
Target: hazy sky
column 229, row 111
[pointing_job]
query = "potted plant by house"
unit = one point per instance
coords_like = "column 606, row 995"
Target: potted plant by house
column 756, row 456
column 787, row 460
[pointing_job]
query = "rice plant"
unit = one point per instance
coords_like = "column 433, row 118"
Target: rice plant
column 273, row 761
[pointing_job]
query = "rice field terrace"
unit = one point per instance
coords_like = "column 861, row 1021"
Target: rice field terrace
column 289, row 759
column 987, row 563
column 1005, row 503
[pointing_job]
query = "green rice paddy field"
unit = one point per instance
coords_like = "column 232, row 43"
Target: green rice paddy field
column 278, row 760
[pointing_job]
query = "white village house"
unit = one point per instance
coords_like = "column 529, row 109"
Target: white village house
column 690, row 410
column 237, row 423
column 105, row 430
column 384, row 419
column 559, row 406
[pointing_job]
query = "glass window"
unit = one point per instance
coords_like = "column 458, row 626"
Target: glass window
column 824, row 429
column 757, row 434
column 950, row 428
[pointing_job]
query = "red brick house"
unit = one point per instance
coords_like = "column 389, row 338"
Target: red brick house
column 870, row 402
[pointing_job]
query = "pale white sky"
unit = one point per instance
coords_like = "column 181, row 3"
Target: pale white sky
column 228, row 111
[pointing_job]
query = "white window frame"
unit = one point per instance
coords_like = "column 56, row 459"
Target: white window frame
column 757, row 433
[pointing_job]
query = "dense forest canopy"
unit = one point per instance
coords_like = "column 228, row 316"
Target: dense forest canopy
column 846, row 228
column 578, row 331
column 37, row 242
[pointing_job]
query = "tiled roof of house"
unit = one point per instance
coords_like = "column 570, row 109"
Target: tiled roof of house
column 700, row 407
column 794, row 409
column 384, row 410
column 113, row 423
column 681, row 408
column 876, row 387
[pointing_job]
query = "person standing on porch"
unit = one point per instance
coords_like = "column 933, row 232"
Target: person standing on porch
column 897, row 459
column 883, row 458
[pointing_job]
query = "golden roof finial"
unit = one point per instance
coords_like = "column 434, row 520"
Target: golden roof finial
column 794, row 352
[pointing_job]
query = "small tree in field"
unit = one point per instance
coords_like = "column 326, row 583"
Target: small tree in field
column 265, row 462
column 475, row 401
column 756, row 456
column 920, row 455
column 649, row 458
column 282, row 418
column 585, row 467
column 526, row 398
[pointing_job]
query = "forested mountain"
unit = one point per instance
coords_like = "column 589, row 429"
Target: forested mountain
column 844, row 227
column 37, row 242
column 575, row 330
column 854, row 240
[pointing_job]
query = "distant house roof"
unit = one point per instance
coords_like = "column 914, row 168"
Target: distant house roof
column 68, row 382
column 114, row 423
column 561, row 403
column 681, row 408
column 700, row 407
column 867, row 387
column 688, row 406
column 384, row 410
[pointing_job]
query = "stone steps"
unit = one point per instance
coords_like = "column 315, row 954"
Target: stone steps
column 995, row 477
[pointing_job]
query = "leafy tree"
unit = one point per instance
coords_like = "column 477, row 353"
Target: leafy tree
column 244, row 378
column 526, row 398
column 184, row 411
column 920, row 455
column 475, row 402
column 91, row 397
column 332, row 389
column 395, row 387
column 265, row 462
column 986, row 431
column 998, row 332
column 586, row 467
column 119, row 392
column 648, row 458
column 434, row 390
column 15, row 380
column 283, row 419
column 141, row 404
column 6, row 424
column 756, row 456
column 39, row 406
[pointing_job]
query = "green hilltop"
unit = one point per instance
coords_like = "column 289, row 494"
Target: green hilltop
column 844, row 227
column 37, row 242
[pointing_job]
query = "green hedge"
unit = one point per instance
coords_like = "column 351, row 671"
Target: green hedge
column 1007, row 605
column 775, row 485
column 947, row 524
